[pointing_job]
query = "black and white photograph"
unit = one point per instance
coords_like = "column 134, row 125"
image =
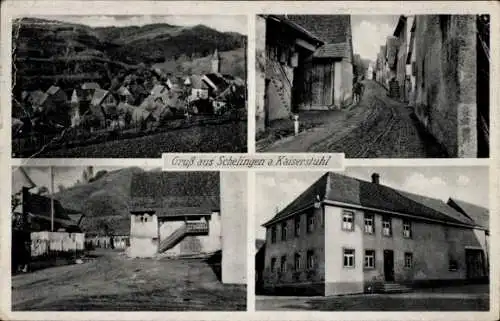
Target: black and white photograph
column 128, row 86
column 373, row 239
column 128, row 239
column 373, row 86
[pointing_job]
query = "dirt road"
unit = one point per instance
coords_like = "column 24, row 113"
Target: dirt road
column 377, row 127
column 115, row 283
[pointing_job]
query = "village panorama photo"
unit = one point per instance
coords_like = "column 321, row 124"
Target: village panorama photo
column 128, row 239
column 373, row 86
column 373, row 239
column 128, row 86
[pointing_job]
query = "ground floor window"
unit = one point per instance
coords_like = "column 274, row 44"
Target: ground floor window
column 369, row 259
column 297, row 260
column 453, row 265
column 283, row 264
column 348, row 258
column 408, row 260
column 310, row 259
column 273, row 264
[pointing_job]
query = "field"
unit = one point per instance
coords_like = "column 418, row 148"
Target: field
column 113, row 282
column 221, row 138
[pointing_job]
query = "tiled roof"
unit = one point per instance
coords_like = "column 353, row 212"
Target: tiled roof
column 53, row 90
column 480, row 215
column 175, row 193
column 332, row 50
column 99, row 95
column 38, row 97
column 41, row 205
column 345, row 189
column 296, row 27
column 197, row 83
column 328, row 28
column 158, row 90
column 123, row 91
column 91, row 85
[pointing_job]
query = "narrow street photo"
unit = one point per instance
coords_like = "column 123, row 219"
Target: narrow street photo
column 383, row 86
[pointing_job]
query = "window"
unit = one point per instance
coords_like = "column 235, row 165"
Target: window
column 369, row 259
column 296, row 262
column 369, row 226
column 348, row 220
column 408, row 260
column 310, row 222
column 283, row 264
column 283, row 231
column 407, row 229
column 348, row 258
column 310, row 259
column 297, row 226
column 273, row 264
column 386, row 226
column 273, row 234
column 453, row 265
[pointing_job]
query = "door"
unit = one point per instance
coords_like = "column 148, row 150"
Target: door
column 475, row 264
column 266, row 102
column 389, row 265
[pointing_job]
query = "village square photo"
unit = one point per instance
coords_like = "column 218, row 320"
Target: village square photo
column 128, row 86
column 373, row 239
column 373, row 86
column 128, row 239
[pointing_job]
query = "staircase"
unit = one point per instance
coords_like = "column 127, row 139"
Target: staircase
column 187, row 229
column 393, row 89
column 395, row 288
column 284, row 89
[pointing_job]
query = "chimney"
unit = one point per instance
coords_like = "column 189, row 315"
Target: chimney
column 375, row 178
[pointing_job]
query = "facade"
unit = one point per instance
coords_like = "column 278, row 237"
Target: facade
column 175, row 213
column 101, row 103
column 343, row 235
column 304, row 63
column 447, row 101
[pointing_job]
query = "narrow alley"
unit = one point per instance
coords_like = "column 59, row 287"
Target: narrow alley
column 377, row 127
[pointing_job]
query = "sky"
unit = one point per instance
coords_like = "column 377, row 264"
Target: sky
column 224, row 23
column 370, row 32
column 66, row 176
column 275, row 190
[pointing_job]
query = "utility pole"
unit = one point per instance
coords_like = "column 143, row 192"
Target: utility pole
column 51, row 199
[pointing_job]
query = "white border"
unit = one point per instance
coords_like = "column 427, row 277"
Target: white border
column 249, row 8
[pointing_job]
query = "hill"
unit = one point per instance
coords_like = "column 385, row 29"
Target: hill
column 49, row 51
column 104, row 202
column 232, row 62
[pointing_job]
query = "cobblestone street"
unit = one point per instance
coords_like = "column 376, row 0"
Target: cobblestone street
column 377, row 127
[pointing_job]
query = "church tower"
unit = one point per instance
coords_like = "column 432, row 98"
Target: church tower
column 215, row 62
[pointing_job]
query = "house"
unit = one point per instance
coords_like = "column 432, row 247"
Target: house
column 124, row 95
column 391, row 64
column 175, row 213
column 197, row 87
column 57, row 95
column 40, row 101
column 190, row 213
column 304, row 63
column 88, row 89
column 344, row 235
column 411, row 59
column 102, row 105
column 452, row 61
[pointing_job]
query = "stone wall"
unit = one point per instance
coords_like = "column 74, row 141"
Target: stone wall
column 446, row 80
column 260, row 73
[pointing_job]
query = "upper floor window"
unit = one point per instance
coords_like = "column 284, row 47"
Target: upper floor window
column 283, row 264
column 310, row 222
column 369, row 223
column 369, row 259
column 348, row 258
column 283, row 231
column 273, row 234
column 407, row 229
column 348, row 220
column 273, row 264
column 310, row 259
column 297, row 262
column 386, row 226
column 297, row 226
column 408, row 260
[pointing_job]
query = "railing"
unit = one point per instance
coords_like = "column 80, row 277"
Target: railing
column 197, row 227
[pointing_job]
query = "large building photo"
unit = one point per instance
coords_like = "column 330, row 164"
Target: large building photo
column 355, row 234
